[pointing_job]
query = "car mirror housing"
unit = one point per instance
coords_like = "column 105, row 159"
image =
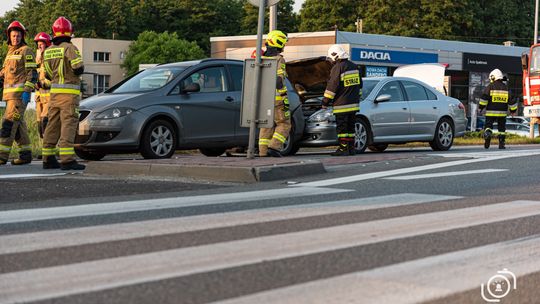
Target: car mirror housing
column 383, row 98
column 191, row 88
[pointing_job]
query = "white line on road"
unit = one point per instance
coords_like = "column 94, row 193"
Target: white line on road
column 26, row 242
column 417, row 281
column 366, row 176
column 30, row 215
column 5, row 176
column 444, row 174
column 58, row 281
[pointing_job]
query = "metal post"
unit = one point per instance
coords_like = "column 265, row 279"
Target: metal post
column 535, row 40
column 272, row 20
column 258, row 67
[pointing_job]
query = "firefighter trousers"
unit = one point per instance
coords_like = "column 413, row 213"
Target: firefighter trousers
column 62, row 127
column 42, row 110
column 276, row 136
column 14, row 129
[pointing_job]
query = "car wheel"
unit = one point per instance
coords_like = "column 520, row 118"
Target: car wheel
column 361, row 135
column 289, row 147
column 444, row 136
column 212, row 152
column 87, row 155
column 378, row 147
column 158, row 140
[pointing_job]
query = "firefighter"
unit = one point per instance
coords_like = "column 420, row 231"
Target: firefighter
column 19, row 76
column 63, row 65
column 496, row 100
column 43, row 41
column 271, row 140
column 343, row 92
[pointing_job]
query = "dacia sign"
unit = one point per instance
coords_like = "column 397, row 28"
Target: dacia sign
column 386, row 56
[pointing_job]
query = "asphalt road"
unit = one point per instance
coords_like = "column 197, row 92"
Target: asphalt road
column 404, row 226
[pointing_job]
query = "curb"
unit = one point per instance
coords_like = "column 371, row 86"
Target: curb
column 243, row 174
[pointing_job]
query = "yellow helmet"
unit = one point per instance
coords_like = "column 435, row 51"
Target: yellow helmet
column 276, row 39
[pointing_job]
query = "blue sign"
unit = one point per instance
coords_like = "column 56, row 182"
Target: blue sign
column 376, row 71
column 384, row 56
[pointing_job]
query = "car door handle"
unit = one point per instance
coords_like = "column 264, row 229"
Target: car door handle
column 435, row 108
column 404, row 109
column 229, row 99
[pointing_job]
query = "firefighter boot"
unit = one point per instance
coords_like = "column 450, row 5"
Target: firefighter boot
column 352, row 149
column 3, row 161
column 342, row 150
column 50, row 162
column 487, row 138
column 25, row 157
column 274, row 153
column 72, row 165
column 502, row 142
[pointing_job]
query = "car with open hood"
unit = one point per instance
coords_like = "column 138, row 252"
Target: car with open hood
column 175, row 106
column 393, row 110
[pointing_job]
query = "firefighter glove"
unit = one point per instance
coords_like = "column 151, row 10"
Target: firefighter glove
column 26, row 98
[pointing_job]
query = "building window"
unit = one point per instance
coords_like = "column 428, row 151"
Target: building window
column 102, row 57
column 101, row 83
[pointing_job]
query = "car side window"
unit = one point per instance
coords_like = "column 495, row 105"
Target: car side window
column 393, row 89
column 415, row 91
column 210, row 80
column 431, row 95
column 237, row 75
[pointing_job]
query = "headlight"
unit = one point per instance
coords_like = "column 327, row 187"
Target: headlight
column 322, row 115
column 114, row 113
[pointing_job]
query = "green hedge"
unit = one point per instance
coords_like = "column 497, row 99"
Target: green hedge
column 33, row 133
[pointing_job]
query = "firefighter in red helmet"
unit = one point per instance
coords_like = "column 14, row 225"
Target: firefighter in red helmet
column 43, row 41
column 63, row 65
column 19, row 75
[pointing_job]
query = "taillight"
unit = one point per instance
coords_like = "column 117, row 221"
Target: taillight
column 461, row 106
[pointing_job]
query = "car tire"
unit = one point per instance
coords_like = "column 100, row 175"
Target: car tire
column 361, row 135
column 87, row 155
column 378, row 147
column 212, row 152
column 444, row 135
column 158, row 140
column 289, row 147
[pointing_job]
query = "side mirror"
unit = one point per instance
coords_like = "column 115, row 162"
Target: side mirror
column 383, row 98
column 525, row 61
column 191, row 88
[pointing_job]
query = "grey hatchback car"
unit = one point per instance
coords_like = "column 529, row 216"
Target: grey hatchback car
column 185, row 105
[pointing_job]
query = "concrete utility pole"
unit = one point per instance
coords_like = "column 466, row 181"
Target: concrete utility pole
column 273, row 18
column 359, row 25
column 536, row 23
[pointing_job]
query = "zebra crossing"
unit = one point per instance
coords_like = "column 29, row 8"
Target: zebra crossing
column 398, row 248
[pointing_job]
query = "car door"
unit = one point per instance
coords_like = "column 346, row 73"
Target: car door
column 236, row 72
column 389, row 119
column 424, row 109
column 208, row 115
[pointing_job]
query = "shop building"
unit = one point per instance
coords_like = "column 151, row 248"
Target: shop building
column 468, row 64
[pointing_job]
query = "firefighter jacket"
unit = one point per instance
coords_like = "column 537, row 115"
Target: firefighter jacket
column 60, row 61
column 281, row 88
column 496, row 99
column 18, row 71
column 44, row 84
column 344, row 87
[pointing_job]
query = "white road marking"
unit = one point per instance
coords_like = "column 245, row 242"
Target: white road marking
column 366, row 176
column 444, row 174
column 58, row 281
column 30, row 215
column 26, row 242
column 5, row 176
column 415, row 281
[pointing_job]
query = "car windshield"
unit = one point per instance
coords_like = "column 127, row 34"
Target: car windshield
column 148, row 80
column 367, row 87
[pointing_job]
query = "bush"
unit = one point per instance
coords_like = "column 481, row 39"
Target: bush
column 33, row 133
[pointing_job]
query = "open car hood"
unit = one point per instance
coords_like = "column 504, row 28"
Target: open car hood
column 429, row 73
column 309, row 76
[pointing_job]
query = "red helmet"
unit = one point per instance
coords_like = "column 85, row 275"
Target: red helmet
column 43, row 37
column 15, row 25
column 62, row 28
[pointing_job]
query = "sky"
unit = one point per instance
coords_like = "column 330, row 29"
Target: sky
column 6, row 5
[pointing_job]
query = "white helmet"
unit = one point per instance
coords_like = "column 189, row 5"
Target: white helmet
column 496, row 75
column 336, row 52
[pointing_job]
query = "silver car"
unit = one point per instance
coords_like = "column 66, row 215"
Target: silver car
column 393, row 110
column 185, row 105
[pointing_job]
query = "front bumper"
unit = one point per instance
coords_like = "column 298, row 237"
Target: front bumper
column 319, row 134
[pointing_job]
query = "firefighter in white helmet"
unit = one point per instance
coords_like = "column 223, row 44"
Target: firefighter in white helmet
column 343, row 92
column 497, row 101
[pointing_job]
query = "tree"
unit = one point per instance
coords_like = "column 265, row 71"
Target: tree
column 152, row 47
column 317, row 15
